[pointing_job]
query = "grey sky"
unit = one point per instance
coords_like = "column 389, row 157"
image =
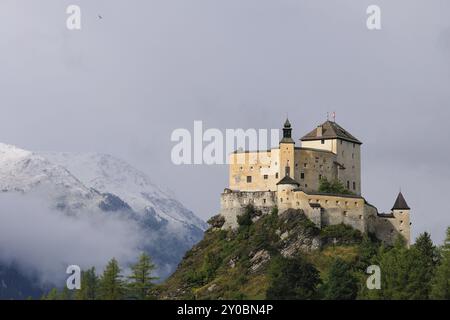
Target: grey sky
column 122, row 84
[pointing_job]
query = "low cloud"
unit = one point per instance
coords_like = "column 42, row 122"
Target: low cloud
column 43, row 242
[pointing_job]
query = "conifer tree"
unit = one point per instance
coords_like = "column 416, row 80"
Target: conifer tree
column 341, row 284
column 141, row 280
column 292, row 279
column 427, row 258
column 89, row 285
column 111, row 286
column 402, row 273
column 51, row 295
column 441, row 283
column 65, row 294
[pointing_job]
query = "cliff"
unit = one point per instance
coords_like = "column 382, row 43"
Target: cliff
column 240, row 264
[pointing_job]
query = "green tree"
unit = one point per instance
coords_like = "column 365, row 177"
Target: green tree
column 367, row 250
column 51, row 295
column 403, row 276
column 141, row 278
column 334, row 186
column 341, row 283
column 111, row 286
column 292, row 279
column 89, row 285
column 440, row 288
column 245, row 219
column 65, row 294
column 428, row 257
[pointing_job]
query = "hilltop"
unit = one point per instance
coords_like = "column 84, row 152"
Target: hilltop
column 247, row 263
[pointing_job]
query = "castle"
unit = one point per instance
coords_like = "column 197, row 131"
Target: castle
column 289, row 177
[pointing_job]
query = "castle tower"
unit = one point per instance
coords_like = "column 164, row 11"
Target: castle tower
column 285, row 196
column 401, row 211
column 287, row 153
column 330, row 136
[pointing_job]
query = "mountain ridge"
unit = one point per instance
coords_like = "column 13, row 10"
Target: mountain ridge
column 78, row 183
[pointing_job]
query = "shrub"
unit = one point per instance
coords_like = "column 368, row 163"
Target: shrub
column 340, row 234
column 245, row 219
column 216, row 221
column 334, row 186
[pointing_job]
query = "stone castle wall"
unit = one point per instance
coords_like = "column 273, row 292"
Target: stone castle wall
column 322, row 209
column 233, row 204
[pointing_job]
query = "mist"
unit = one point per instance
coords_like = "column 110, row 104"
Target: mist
column 44, row 242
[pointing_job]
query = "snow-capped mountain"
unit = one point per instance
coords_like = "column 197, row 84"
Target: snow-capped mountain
column 110, row 175
column 76, row 184
column 24, row 171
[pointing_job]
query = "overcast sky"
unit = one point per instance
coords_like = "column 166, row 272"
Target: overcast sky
column 123, row 83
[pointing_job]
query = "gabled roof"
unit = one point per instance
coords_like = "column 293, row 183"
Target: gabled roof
column 288, row 180
column 400, row 203
column 331, row 130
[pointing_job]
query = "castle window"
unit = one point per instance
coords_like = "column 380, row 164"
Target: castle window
column 354, row 185
column 337, row 202
column 360, row 216
column 281, row 199
column 401, row 222
column 298, row 203
column 356, row 204
column 348, row 184
column 266, row 177
column 353, row 146
column 296, row 165
column 320, row 177
column 322, row 141
column 264, row 201
column 341, row 141
column 346, row 203
column 345, row 214
column 353, row 156
column 276, row 175
column 241, row 168
column 305, row 165
column 306, row 186
column 249, row 179
column 251, row 168
column 302, row 175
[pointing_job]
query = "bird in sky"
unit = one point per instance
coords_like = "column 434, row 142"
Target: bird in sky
column 99, row 16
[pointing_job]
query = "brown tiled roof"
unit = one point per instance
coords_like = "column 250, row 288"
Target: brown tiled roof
column 331, row 130
column 400, row 203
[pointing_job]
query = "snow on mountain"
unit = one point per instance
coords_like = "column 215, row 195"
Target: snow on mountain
column 108, row 174
column 77, row 184
column 24, row 171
